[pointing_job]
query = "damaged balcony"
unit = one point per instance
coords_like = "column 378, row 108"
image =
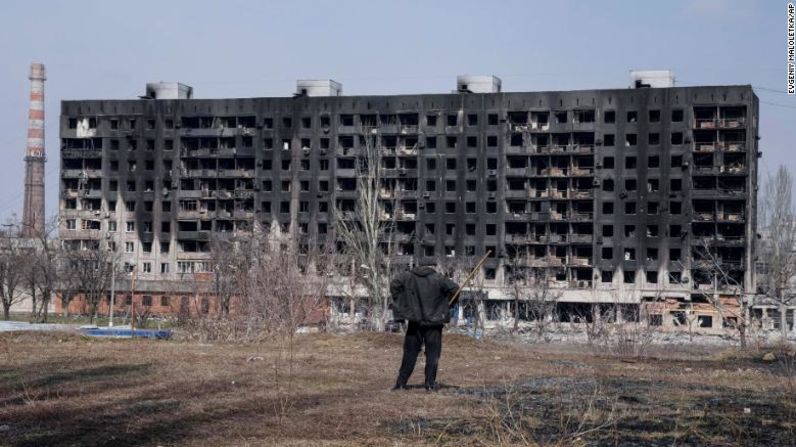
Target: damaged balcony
column 407, row 145
column 705, row 117
column 540, row 121
column 731, row 117
column 734, row 164
column 732, row 140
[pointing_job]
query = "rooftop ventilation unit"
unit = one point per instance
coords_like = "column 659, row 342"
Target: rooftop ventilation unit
column 651, row 78
column 478, row 84
column 168, row 90
column 318, row 87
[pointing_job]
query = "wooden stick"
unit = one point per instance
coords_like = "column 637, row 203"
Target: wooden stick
column 469, row 277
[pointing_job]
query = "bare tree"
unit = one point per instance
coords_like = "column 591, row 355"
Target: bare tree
column 68, row 284
column 778, row 245
column 42, row 272
column 279, row 294
column 366, row 231
column 91, row 270
column 725, row 287
column 534, row 298
column 226, row 264
column 13, row 264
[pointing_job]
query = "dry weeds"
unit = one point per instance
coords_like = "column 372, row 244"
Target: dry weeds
column 59, row 389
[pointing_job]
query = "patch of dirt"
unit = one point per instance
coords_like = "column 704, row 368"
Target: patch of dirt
column 334, row 390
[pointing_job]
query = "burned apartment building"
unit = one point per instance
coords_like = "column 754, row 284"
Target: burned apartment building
column 614, row 195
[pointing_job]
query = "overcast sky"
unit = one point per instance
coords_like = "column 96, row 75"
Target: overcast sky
column 110, row 49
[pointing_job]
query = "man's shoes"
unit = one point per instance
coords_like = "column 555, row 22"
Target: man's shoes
column 431, row 386
column 399, row 387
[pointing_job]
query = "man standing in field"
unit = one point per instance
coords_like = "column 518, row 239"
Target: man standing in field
column 421, row 296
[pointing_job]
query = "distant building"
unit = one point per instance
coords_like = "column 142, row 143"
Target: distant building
column 610, row 193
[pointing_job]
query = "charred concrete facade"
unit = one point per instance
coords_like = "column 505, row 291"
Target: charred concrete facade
column 613, row 194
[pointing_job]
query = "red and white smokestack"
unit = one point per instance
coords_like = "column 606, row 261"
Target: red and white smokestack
column 33, row 208
column 36, row 111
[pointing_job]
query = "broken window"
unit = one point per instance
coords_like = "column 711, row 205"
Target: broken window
column 677, row 138
column 608, row 162
column 608, row 207
column 607, row 253
column 654, row 116
column 584, row 116
column 630, row 208
column 632, row 116
column 630, row 162
column 629, row 276
column 610, row 116
column 631, row 139
column 653, row 139
column 450, row 185
column 452, row 119
column 561, row 117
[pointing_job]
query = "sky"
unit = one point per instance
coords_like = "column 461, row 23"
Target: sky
column 110, row 49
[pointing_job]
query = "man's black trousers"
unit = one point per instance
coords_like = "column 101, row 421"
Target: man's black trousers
column 416, row 337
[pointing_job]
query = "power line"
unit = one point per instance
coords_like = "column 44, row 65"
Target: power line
column 769, row 89
column 787, row 106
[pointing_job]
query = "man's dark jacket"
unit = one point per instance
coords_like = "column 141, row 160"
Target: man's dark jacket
column 421, row 295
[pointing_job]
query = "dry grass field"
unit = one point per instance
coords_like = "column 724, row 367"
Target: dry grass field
column 60, row 389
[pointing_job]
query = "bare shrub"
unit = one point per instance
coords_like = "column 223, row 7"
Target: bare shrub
column 577, row 411
column 608, row 333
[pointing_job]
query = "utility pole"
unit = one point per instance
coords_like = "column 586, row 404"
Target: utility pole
column 113, row 267
column 113, row 293
column 132, row 289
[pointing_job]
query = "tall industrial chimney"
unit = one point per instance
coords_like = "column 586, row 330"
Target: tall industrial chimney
column 33, row 211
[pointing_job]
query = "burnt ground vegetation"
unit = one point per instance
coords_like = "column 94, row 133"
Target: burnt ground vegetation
column 61, row 389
